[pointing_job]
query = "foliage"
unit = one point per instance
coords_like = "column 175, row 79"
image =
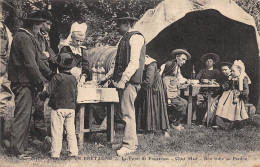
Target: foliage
column 98, row 15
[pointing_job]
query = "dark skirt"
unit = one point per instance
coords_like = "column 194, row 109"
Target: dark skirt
column 151, row 109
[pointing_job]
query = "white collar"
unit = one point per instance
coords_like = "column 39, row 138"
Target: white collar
column 27, row 31
column 210, row 69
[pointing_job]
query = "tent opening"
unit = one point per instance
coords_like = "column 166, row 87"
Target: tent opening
column 205, row 31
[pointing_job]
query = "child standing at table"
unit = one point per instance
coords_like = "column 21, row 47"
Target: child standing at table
column 62, row 91
column 231, row 107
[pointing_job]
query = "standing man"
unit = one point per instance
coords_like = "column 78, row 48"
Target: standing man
column 128, row 73
column 26, row 80
column 5, row 90
column 46, row 60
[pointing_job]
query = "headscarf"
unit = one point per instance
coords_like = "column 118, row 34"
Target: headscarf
column 243, row 74
column 77, row 30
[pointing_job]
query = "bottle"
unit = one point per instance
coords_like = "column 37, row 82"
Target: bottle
column 98, row 71
column 94, row 74
column 102, row 71
column 193, row 74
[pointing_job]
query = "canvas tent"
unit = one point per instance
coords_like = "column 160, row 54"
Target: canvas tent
column 203, row 26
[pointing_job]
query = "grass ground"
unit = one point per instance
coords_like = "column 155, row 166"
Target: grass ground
column 194, row 146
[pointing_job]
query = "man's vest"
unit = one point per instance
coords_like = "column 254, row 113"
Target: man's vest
column 123, row 59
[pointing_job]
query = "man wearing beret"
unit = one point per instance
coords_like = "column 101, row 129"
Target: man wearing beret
column 127, row 76
column 173, row 81
column 26, row 80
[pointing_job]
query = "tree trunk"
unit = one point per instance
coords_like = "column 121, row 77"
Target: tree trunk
column 18, row 12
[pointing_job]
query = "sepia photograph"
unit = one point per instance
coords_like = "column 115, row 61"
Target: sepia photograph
column 124, row 83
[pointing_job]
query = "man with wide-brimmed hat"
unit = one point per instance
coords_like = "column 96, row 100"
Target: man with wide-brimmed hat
column 173, row 80
column 26, row 80
column 127, row 76
column 209, row 72
column 39, row 129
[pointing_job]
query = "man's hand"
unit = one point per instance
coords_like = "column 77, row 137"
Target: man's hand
column 119, row 85
column 102, row 80
column 46, row 54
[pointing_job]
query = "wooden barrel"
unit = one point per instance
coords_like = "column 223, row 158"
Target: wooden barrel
column 105, row 55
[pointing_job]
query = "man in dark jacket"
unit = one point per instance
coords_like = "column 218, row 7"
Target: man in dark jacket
column 26, row 80
column 46, row 59
column 127, row 75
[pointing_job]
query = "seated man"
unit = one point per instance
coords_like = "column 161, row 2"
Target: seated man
column 173, row 81
column 207, row 73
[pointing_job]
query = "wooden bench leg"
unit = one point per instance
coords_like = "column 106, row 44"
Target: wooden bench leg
column 81, row 126
column 110, row 122
column 209, row 105
column 189, row 106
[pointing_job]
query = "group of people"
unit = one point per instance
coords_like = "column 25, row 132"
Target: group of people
column 149, row 97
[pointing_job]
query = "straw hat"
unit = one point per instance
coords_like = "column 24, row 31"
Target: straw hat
column 176, row 52
column 212, row 56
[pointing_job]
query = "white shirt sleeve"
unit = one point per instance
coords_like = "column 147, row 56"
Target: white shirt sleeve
column 136, row 44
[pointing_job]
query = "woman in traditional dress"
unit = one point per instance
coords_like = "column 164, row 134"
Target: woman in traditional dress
column 231, row 107
column 150, row 104
column 73, row 45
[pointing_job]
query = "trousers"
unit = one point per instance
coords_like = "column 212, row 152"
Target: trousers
column 22, row 112
column 63, row 118
column 127, row 100
column 5, row 94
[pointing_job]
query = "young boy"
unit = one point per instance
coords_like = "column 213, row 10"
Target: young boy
column 206, row 73
column 62, row 91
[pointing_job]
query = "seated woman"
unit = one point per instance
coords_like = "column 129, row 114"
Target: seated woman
column 73, row 45
column 206, row 73
column 231, row 107
column 150, row 104
column 225, row 81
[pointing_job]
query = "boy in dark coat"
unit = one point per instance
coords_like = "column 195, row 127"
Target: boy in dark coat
column 62, row 91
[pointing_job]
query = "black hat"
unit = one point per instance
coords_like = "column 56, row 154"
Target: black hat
column 226, row 64
column 34, row 16
column 65, row 60
column 125, row 16
column 207, row 56
column 176, row 52
column 47, row 16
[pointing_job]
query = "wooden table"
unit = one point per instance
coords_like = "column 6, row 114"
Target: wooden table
column 191, row 94
column 86, row 96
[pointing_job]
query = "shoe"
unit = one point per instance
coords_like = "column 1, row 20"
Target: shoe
column 124, row 151
column 6, row 144
column 72, row 157
column 215, row 127
column 55, row 158
column 178, row 128
column 24, row 157
column 166, row 135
